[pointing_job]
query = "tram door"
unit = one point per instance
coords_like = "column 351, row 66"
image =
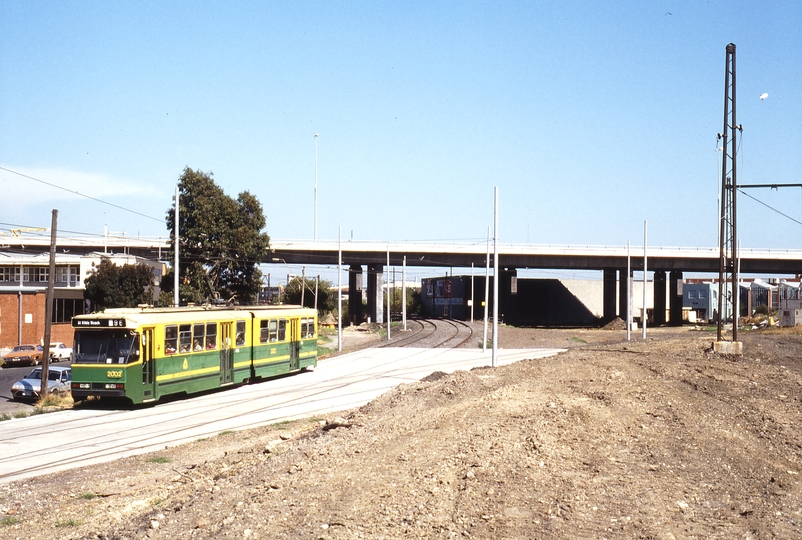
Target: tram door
column 148, row 365
column 226, row 353
column 295, row 344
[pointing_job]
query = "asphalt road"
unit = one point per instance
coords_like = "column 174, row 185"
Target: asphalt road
column 10, row 375
column 58, row 441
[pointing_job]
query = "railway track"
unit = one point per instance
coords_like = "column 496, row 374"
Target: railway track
column 433, row 334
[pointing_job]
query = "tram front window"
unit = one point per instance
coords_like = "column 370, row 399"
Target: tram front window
column 116, row 347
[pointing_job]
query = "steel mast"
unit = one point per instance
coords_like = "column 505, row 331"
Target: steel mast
column 728, row 241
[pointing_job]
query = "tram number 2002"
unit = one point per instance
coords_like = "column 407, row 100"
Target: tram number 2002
column 114, row 374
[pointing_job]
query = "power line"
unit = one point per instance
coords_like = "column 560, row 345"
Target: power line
column 771, row 208
column 81, row 194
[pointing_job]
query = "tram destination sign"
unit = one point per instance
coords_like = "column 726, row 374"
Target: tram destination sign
column 98, row 323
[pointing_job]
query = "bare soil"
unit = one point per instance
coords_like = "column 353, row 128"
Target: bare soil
column 644, row 439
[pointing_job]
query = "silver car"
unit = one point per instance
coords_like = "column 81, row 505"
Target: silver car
column 58, row 382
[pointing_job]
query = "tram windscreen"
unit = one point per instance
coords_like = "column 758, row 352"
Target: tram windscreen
column 108, row 347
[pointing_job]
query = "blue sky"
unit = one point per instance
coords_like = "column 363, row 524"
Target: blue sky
column 590, row 117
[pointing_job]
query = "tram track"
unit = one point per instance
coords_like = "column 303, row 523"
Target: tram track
column 435, row 334
column 160, row 421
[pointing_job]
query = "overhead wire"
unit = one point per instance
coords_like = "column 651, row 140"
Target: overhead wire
column 80, row 194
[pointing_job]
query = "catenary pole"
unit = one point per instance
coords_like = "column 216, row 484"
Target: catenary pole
column 388, row 293
column 340, row 290
column 176, row 229
column 643, row 312
column 495, row 277
column 316, row 136
column 629, row 293
column 472, row 304
column 404, row 293
column 487, row 290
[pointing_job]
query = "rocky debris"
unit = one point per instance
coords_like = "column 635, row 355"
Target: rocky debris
column 646, row 439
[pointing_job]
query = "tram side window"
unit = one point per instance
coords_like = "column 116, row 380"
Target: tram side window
column 198, row 337
column 240, row 333
column 211, row 336
column 282, row 329
column 308, row 328
column 273, row 330
column 263, row 332
column 185, row 338
column 170, row 339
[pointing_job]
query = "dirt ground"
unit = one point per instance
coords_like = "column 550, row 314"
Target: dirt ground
column 612, row 439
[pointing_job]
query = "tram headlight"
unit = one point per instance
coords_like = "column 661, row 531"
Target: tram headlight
column 113, row 386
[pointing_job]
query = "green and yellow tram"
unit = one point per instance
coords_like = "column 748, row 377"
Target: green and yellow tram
column 146, row 353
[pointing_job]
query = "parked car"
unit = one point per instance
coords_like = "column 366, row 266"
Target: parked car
column 24, row 354
column 59, row 351
column 58, row 382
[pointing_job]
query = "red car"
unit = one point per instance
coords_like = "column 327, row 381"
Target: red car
column 24, row 354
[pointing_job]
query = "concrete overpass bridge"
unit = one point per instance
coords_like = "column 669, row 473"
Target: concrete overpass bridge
column 667, row 263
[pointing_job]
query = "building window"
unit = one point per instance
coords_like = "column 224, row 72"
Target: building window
column 74, row 276
column 64, row 309
column 42, row 273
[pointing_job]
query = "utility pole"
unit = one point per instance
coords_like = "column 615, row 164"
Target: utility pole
column 176, row 229
column 728, row 242
column 51, row 278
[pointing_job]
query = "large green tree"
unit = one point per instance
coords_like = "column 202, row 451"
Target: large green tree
column 112, row 286
column 325, row 299
column 220, row 241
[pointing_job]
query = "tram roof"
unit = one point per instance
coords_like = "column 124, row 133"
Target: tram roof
column 162, row 315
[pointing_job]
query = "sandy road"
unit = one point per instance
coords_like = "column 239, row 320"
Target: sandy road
column 53, row 442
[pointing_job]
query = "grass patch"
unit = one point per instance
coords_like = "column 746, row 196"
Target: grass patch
column 69, row 523
column 578, row 340
column 225, row 432
column 7, row 521
column 4, row 416
column 159, row 459
column 158, row 501
column 20, row 414
column 54, row 401
column 316, row 420
column 284, row 424
column 88, row 496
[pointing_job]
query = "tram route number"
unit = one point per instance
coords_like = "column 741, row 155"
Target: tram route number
column 112, row 323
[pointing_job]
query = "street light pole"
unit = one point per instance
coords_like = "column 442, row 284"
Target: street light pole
column 316, row 136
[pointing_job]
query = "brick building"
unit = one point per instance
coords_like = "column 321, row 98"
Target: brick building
column 23, row 290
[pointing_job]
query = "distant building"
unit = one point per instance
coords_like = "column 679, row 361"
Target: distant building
column 701, row 299
column 23, row 289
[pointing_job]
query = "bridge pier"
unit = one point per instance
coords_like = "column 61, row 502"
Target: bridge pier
column 675, row 298
column 375, row 293
column 659, row 312
column 355, row 294
column 608, row 294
